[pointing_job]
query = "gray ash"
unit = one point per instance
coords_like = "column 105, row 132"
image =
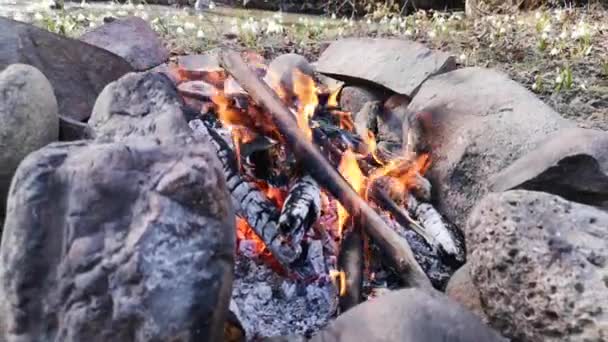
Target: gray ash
column 268, row 304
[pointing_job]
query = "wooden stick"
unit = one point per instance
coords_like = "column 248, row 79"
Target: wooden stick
column 350, row 260
column 393, row 245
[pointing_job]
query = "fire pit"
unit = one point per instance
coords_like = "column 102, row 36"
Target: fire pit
column 302, row 256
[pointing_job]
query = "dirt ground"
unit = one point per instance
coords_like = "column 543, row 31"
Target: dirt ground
column 560, row 54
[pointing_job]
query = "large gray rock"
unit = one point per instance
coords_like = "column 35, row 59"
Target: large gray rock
column 399, row 65
column 541, row 266
column 131, row 38
column 121, row 241
column 28, row 117
column 482, row 121
column 139, row 104
column 77, row 71
column 461, row 289
column 408, row 315
column 572, row 163
column 280, row 73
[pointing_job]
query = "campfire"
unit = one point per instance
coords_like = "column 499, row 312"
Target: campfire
column 370, row 228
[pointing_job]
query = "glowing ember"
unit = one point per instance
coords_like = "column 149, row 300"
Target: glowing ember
column 349, row 169
column 306, row 91
column 276, row 195
column 245, row 232
column 339, row 280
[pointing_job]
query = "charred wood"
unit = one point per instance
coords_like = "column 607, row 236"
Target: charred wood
column 249, row 202
column 402, row 216
column 443, row 233
column 350, row 260
column 301, row 209
column 319, row 168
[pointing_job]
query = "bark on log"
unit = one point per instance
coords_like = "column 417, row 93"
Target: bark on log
column 394, row 245
column 249, row 202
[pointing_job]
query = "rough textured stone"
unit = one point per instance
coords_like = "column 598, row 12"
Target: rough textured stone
column 121, row 241
column 399, row 65
column 352, row 98
column 131, row 38
column 139, row 104
column 77, row 71
column 462, row 290
column 280, row 71
column 572, row 163
column 481, row 122
column 408, row 315
column 541, row 266
column 28, row 116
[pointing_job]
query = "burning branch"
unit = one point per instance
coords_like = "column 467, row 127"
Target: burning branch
column 321, row 170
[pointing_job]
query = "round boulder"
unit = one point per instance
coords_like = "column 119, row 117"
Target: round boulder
column 28, row 112
column 541, row 266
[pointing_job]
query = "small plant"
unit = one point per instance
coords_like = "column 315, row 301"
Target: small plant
column 538, row 84
column 564, row 79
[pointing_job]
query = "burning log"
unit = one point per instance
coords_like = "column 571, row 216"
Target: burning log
column 321, row 170
column 249, row 202
column 301, row 209
column 350, row 261
column 438, row 228
column 402, row 216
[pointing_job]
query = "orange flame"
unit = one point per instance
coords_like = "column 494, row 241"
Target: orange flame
column 276, row 195
column 339, row 280
column 349, row 169
column 370, row 141
column 306, row 91
column 332, row 101
column 245, row 232
column 401, row 170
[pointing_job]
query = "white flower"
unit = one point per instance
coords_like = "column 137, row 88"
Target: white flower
column 368, row 22
column 559, row 15
column 538, row 15
column 274, row 27
column 19, row 17
column 408, row 32
column 189, row 26
column 38, row 16
column 333, row 15
column 554, row 52
column 180, row 31
column 81, row 17
column 503, row 30
column 559, row 79
column 583, row 85
column 211, row 5
column 534, row 86
column 200, row 34
column 462, row 57
column 432, row 34
column 91, row 24
column 544, row 36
